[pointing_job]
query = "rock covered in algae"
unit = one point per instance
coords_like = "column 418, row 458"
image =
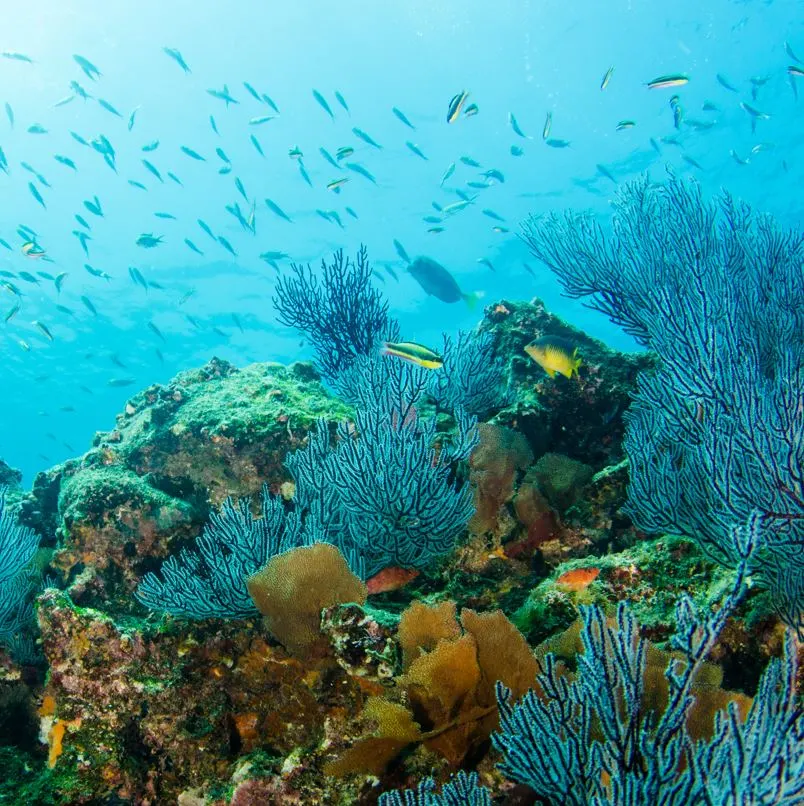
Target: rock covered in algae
column 142, row 714
column 146, row 487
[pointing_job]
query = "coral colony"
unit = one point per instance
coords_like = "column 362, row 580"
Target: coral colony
column 421, row 575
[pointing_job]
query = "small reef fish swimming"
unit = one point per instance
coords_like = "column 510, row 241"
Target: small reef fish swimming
column 554, row 354
column 606, row 78
column 439, row 283
column 672, row 80
column 415, row 353
column 456, row 106
column 148, row 241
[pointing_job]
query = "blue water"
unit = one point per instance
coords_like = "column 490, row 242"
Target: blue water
column 525, row 57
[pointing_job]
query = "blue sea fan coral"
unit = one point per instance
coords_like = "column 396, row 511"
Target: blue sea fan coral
column 463, row 789
column 18, row 545
column 717, row 431
column 472, row 377
column 589, row 740
column 210, row 581
column 386, row 490
column 340, row 313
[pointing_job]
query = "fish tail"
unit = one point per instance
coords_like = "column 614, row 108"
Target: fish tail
column 472, row 299
column 575, row 365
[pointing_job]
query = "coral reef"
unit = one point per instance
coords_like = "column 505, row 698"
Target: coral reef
column 145, row 489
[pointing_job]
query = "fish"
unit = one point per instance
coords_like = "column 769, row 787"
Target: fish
column 89, row 306
column 277, row 210
column 174, row 178
column 295, row 153
column 204, row 226
column 625, row 124
column 32, row 249
column 275, row 255
column 472, row 163
column 500, row 230
column 166, row 216
column 252, row 92
column 65, row 161
column 109, row 108
column 671, row 80
column 328, row 157
column 415, row 149
column 487, row 263
column 456, row 105
column 322, row 102
column 28, row 277
column 753, row 112
column 724, row 82
column 471, row 110
column 214, row 125
column 352, row 213
column 604, row 82
column 789, row 51
column 96, row 272
column 83, row 237
column 737, row 158
column 432, row 219
column 342, row 101
column 148, row 240
column 493, row 173
column 79, row 139
column 9, row 114
column 79, row 91
column 59, row 281
column 548, row 124
column 37, row 128
column 223, row 156
column 359, row 169
column 414, row 353
column 360, row 134
column 36, row 194
column 120, row 382
column 64, row 101
column 256, row 143
column 154, row 329
column 555, row 143
column 400, row 115
column 516, row 151
column 578, row 579
column 436, row 230
column 16, row 56
column 270, row 102
column 438, row 282
column 192, row 154
column 690, row 161
column 223, row 95
column 11, row 313
column 177, row 57
column 258, row 121
column 447, row 174
column 457, row 206
column 344, row 152
column 515, row 126
column 227, row 246
column 400, row 250
column 43, row 329
column 94, row 207
column 796, row 71
column 152, row 146
column 192, row 246
column 153, row 169
column 555, row 355
column 336, row 184
column 304, row 174
column 492, row 214
column 136, row 277
column 604, row 171
column 90, row 70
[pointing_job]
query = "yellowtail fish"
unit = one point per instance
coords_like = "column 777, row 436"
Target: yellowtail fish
column 43, row 329
column 415, row 353
column 663, row 82
column 456, row 106
column 344, row 152
column 554, row 354
column 625, row 124
column 606, row 78
column 795, row 70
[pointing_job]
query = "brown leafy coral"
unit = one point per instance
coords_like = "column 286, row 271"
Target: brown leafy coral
column 445, row 697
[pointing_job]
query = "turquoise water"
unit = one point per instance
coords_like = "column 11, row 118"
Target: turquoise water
column 520, row 57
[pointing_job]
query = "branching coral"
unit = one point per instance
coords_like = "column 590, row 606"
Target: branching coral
column 341, row 314
column 589, row 739
column 463, row 789
column 717, row 431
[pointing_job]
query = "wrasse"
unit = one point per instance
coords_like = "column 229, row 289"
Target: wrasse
column 415, row 353
column 663, row 82
column 456, row 106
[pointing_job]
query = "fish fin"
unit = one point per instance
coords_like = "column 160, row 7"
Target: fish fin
column 472, row 298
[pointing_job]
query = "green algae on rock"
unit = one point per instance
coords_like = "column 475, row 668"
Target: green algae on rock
column 145, row 488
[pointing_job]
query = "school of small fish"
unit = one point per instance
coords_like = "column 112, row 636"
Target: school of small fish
column 139, row 166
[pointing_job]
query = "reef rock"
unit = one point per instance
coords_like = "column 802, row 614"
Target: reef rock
column 145, row 488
